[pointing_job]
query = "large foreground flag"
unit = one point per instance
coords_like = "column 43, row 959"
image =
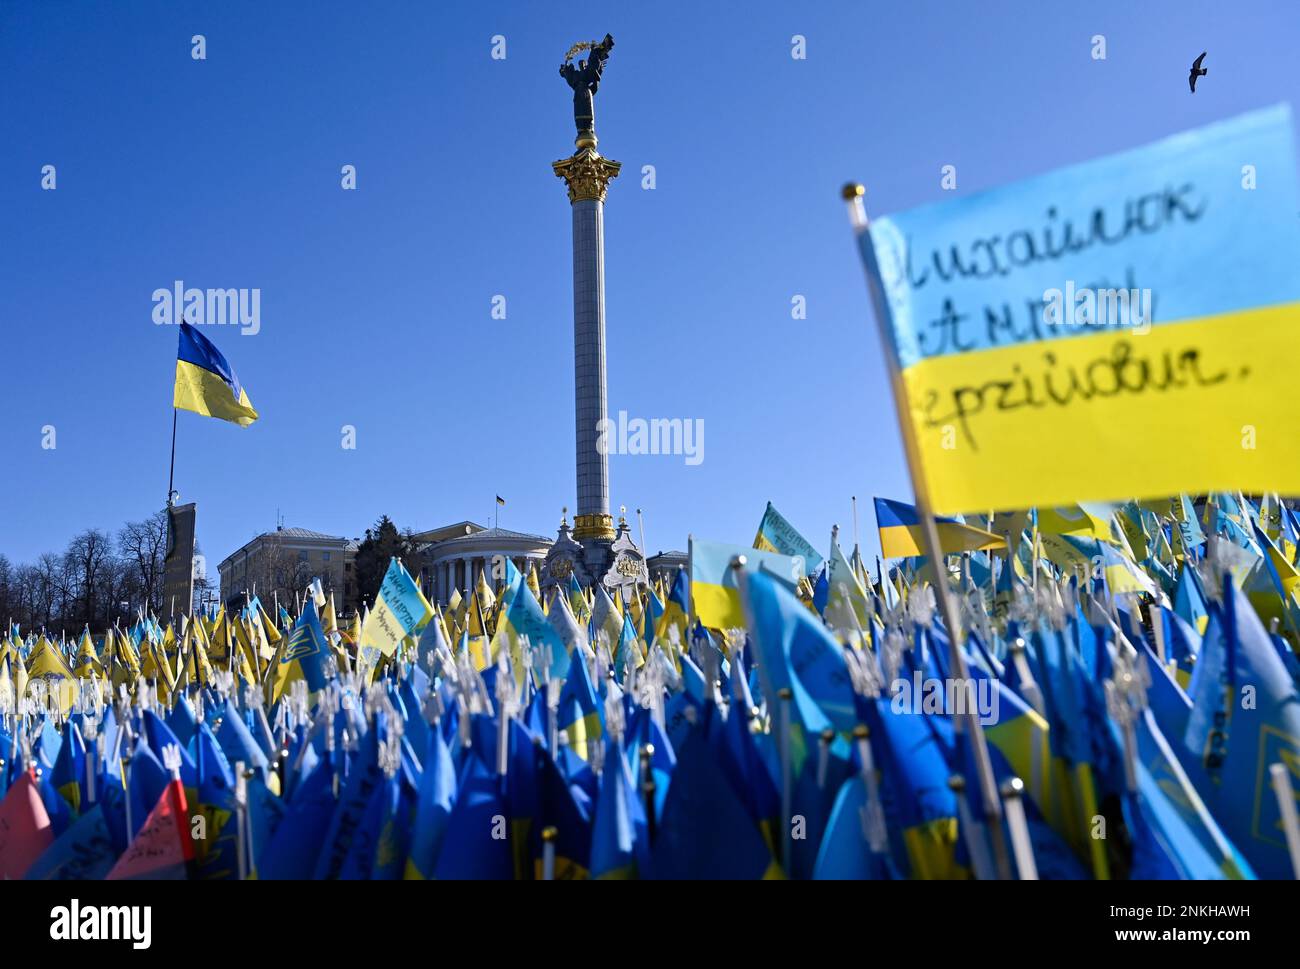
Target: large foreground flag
column 1153, row 289
column 205, row 382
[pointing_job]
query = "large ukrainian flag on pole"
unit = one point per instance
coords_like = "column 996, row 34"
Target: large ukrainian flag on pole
column 1033, row 376
column 205, row 382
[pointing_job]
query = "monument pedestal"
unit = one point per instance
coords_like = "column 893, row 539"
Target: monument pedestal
column 619, row 564
column 178, row 562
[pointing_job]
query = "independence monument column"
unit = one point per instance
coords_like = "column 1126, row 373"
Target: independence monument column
column 587, row 176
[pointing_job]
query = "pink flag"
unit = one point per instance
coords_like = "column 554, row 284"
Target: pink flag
column 24, row 827
column 163, row 845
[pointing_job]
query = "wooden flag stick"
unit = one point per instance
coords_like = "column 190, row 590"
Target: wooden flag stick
column 969, row 721
column 549, row 834
column 1286, row 806
column 1012, row 789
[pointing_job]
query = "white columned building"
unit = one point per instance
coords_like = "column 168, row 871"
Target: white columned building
column 453, row 557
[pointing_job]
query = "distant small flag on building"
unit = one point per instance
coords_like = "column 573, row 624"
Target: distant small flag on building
column 500, row 500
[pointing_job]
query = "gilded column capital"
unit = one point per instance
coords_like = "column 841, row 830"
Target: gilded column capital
column 593, row 526
column 587, row 174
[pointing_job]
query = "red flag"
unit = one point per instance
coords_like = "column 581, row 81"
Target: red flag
column 25, row 830
column 163, row 846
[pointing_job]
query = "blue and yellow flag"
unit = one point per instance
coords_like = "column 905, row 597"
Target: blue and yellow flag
column 620, row 844
column 302, row 656
column 795, row 650
column 47, row 663
column 205, row 382
column 714, row 587
column 577, row 601
column 578, row 713
column 628, row 650
column 900, row 532
column 705, row 831
column 87, row 662
column 1231, row 743
column 399, row 608
column 435, row 799
column 775, row 534
column 677, row 609
column 1038, row 318
column 523, row 618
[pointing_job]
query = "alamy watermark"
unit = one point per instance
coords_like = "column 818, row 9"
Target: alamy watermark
column 658, row 435
column 1084, row 306
column 210, row 307
column 126, row 923
column 928, row 694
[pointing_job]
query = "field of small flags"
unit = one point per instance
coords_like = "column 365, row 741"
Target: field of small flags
column 1120, row 702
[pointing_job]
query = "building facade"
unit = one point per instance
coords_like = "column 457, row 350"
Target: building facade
column 453, row 557
column 664, row 566
column 281, row 564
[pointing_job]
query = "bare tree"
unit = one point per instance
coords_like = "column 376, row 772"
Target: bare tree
column 26, row 583
column 50, row 589
column 85, row 561
column 8, row 591
column 144, row 544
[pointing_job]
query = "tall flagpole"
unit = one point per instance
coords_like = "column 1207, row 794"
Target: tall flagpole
column 171, row 474
column 854, row 500
column 852, row 195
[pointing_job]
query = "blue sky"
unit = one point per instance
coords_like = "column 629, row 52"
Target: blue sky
column 376, row 304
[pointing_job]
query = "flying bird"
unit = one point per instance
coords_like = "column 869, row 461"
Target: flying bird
column 1197, row 71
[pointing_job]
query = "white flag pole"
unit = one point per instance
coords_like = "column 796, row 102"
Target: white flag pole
column 853, row 195
column 1286, row 805
column 1012, row 789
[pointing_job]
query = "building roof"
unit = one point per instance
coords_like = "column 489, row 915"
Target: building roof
column 445, row 532
column 507, row 533
column 293, row 535
column 304, row 533
column 487, row 538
